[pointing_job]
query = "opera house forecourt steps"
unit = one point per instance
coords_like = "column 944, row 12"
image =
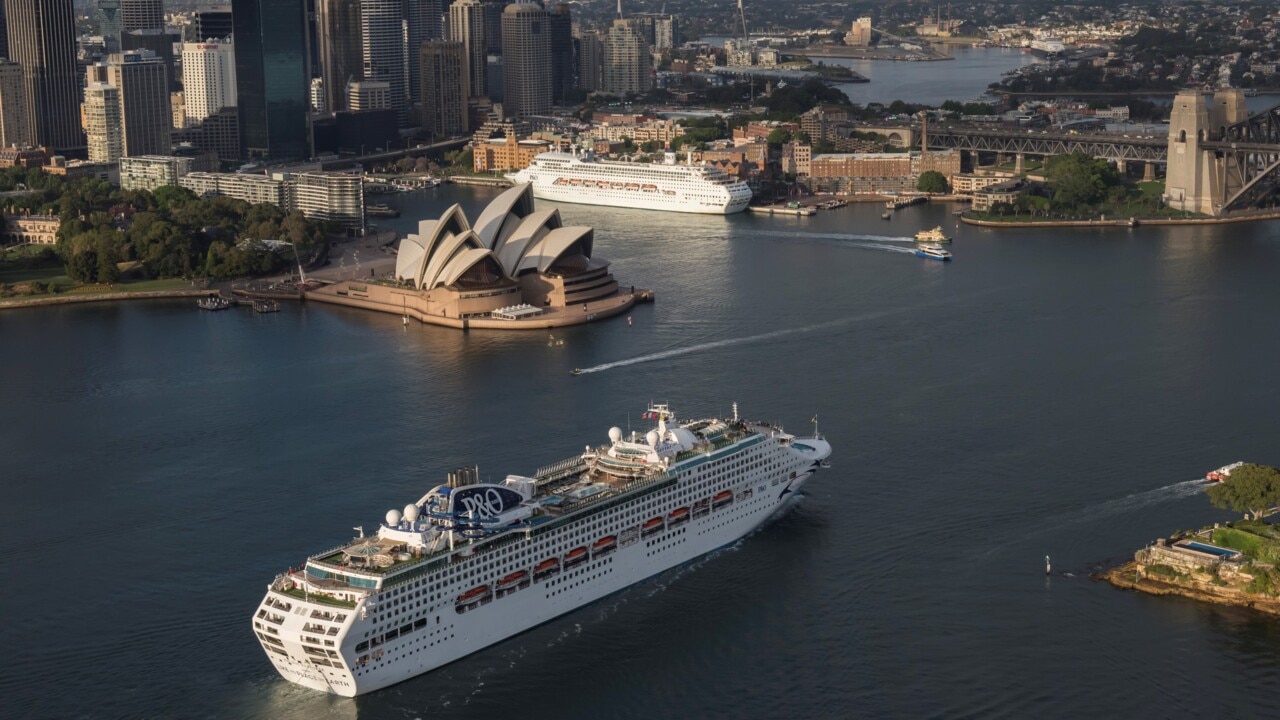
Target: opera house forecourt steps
column 514, row 268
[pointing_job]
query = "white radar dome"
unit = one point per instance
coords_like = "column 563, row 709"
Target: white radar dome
column 393, row 517
column 615, row 434
column 411, row 512
column 651, row 437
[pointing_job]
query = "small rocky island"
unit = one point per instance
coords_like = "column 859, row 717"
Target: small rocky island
column 1235, row 563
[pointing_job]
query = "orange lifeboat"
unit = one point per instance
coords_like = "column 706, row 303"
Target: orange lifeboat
column 473, row 594
column 575, row 556
column 678, row 516
column 604, row 545
column 546, row 568
column 651, row 526
column 512, row 580
column 722, row 499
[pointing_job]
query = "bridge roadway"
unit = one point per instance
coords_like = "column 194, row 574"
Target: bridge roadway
column 1110, row 146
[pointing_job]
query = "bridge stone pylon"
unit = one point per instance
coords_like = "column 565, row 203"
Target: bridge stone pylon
column 1196, row 176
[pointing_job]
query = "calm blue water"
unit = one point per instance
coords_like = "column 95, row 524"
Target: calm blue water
column 1052, row 392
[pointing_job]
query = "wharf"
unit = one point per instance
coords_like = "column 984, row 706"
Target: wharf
column 781, row 210
column 485, row 181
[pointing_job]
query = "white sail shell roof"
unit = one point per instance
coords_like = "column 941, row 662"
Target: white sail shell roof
column 519, row 238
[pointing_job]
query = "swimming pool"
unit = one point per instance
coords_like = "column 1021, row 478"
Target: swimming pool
column 1210, row 549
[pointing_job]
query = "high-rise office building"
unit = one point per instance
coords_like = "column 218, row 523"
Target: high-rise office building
column 526, row 59
column 467, row 26
column 208, row 78
column 369, row 95
column 106, row 15
column 211, row 23
column 141, row 15
column 159, row 42
column 493, row 25
column 422, row 24
column 341, row 50
column 444, row 70
column 666, row 32
column 383, row 34
column 628, row 68
column 142, row 85
column 4, row 33
column 15, row 122
column 272, row 76
column 590, row 60
column 563, row 67
column 100, row 115
column 42, row 39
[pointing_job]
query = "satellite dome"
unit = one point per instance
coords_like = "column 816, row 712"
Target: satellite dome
column 411, row 512
column 393, row 517
column 615, row 434
column 651, row 437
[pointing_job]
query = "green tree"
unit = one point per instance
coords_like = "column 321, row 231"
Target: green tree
column 1078, row 180
column 778, row 136
column 1251, row 489
column 932, row 181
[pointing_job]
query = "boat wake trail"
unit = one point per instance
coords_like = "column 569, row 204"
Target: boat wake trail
column 1176, row 491
column 835, row 236
column 675, row 352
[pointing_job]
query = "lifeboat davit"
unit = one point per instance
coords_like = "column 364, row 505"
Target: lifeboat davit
column 605, row 542
column 678, row 516
column 547, row 565
column 721, row 499
column 651, row 526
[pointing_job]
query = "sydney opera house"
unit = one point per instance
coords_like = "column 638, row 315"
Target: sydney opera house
column 514, row 267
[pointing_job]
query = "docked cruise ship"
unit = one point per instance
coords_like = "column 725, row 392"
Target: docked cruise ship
column 472, row 563
column 672, row 186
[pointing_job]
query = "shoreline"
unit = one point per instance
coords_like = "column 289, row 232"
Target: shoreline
column 47, row 300
column 1130, row 576
column 1126, row 222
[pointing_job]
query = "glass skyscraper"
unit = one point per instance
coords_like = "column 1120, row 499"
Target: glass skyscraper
column 272, row 78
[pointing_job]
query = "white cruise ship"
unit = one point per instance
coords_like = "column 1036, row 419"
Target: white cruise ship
column 471, row 563
column 565, row 177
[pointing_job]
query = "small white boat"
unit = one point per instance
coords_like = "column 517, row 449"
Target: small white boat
column 933, row 252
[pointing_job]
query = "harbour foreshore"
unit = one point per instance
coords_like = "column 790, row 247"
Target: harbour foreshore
column 415, row 305
column 1201, row 566
column 1133, row 575
column 67, row 299
column 1121, row 222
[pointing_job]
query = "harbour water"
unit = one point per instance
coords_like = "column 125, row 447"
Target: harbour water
column 1049, row 392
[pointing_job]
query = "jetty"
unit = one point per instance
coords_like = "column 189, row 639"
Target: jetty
column 484, row 181
column 790, row 209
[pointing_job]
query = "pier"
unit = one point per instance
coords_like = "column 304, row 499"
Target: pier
column 484, row 181
column 781, row 210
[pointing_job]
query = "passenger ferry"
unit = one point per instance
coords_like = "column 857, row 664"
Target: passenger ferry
column 572, row 178
column 932, row 252
column 1222, row 473
column 932, row 236
column 472, row 563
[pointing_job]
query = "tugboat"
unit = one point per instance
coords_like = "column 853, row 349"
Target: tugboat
column 933, row 252
column 213, row 302
column 932, row 236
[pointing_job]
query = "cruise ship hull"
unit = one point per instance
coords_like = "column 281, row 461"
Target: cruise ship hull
column 768, row 483
column 638, row 200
